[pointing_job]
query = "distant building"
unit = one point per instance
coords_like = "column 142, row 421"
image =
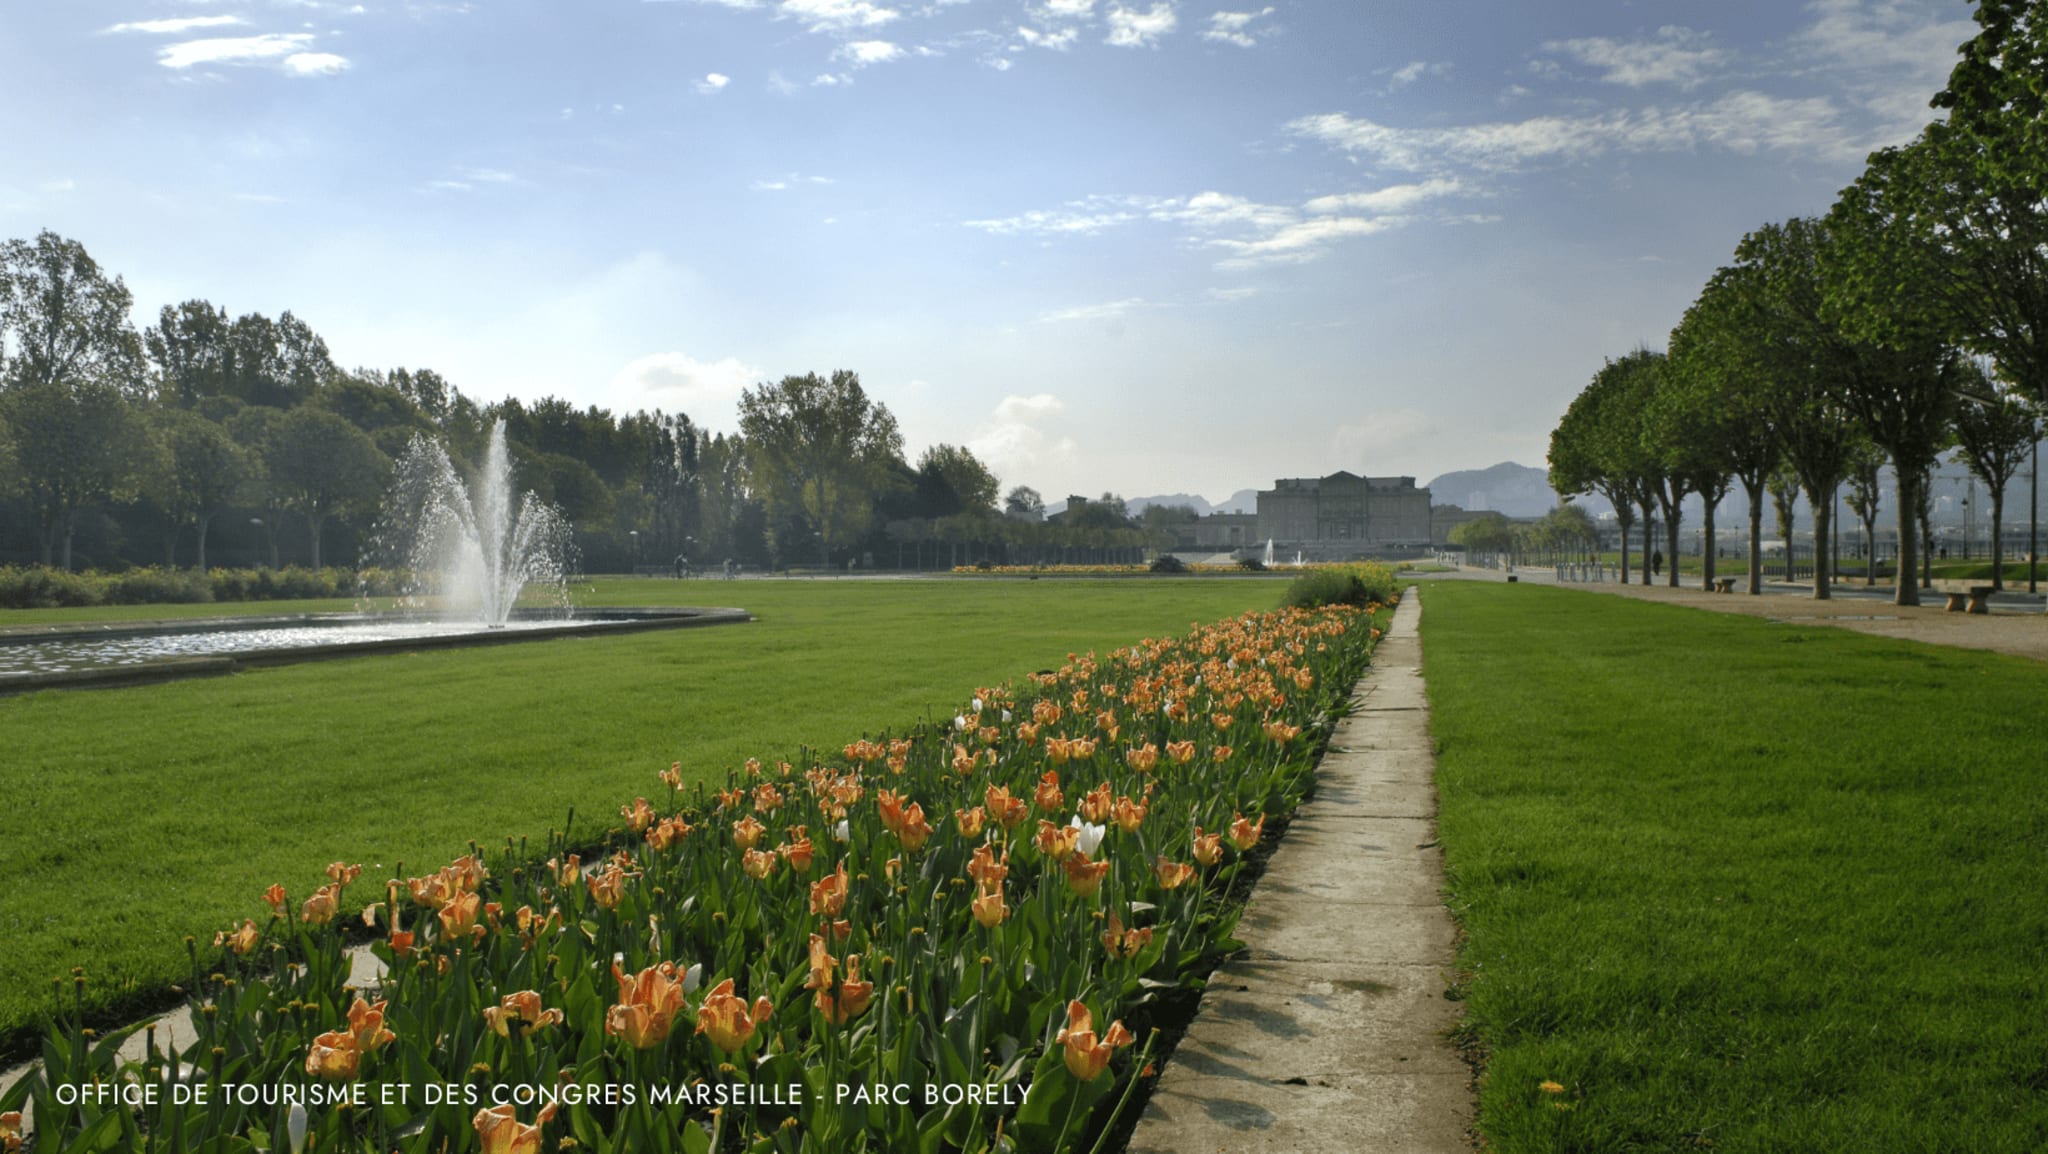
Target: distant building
column 1223, row 532
column 1345, row 513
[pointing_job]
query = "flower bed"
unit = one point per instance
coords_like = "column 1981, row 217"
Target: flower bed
column 929, row 942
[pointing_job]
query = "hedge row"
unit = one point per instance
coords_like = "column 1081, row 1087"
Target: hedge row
column 38, row 587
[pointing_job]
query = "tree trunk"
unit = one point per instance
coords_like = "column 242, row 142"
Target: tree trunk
column 1998, row 538
column 1756, row 535
column 1823, row 517
column 205, row 519
column 313, row 522
column 1926, row 552
column 1908, row 490
column 1671, row 546
column 1649, row 521
column 1707, row 549
column 1870, row 550
column 69, row 522
column 170, row 542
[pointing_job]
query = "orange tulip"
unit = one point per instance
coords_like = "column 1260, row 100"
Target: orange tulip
column 10, row 1131
column 401, row 943
column 1282, row 732
column 1208, row 847
column 334, row 1056
column 567, row 873
column 502, row 1132
column 241, row 940
column 1083, row 876
column 758, row 864
column 466, row 873
column 1059, row 750
column 822, row 965
column 672, row 777
column 1129, row 814
column 985, row 869
column 1008, row 811
column 1123, row 943
column 1222, row 721
column 988, row 906
column 727, row 1021
column 828, row 894
column 648, row 1004
column 1048, row 796
column 1086, row 1057
column 1181, row 752
column 366, row 1026
column 275, row 899
column 1027, row 733
column 1220, row 754
column 608, row 888
column 639, row 816
column 1173, row 875
column 1056, row 841
column 1085, row 746
column 963, row 760
column 1244, row 834
column 458, row 917
column 524, row 1008
column 798, row 852
column 321, row 907
column 916, row 830
column 850, row 1000
column 971, row 821
column 747, row 831
column 343, row 875
column 1095, row 804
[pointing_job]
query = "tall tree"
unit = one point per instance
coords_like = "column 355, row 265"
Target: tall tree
column 1717, row 377
column 951, row 479
column 207, row 470
column 819, row 448
column 1599, row 446
column 76, row 444
column 1995, row 427
column 1799, row 352
column 1025, row 502
column 323, row 465
column 189, row 346
column 1864, row 473
column 1884, row 300
column 62, row 321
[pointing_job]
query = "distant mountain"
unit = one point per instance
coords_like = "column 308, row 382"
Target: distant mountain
column 1516, row 490
column 1242, row 501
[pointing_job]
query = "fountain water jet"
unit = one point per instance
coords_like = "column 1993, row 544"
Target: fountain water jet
column 1268, row 562
column 474, row 548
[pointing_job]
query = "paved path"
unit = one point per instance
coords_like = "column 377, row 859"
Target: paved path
column 1330, row 1034
column 2016, row 626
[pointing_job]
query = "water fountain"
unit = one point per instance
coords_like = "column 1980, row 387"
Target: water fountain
column 472, row 549
column 474, row 552
column 1268, row 562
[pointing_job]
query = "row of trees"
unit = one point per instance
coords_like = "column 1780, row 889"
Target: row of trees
column 1910, row 320
column 153, row 445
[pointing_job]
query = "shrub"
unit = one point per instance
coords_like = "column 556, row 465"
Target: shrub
column 1168, row 563
column 1362, row 583
column 1251, row 564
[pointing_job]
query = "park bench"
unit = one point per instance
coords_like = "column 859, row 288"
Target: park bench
column 1724, row 584
column 1977, row 599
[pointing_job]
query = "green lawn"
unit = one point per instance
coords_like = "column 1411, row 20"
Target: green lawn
column 136, row 816
column 1740, row 884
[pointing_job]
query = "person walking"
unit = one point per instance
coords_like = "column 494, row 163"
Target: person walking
column 1657, row 563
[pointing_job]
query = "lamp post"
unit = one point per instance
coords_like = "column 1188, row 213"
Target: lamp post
column 635, row 535
column 2033, row 515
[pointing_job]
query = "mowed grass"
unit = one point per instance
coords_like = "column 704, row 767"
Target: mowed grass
column 1741, row 885
column 133, row 817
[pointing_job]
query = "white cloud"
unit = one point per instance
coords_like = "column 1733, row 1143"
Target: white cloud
column 838, row 15
column 315, row 64
column 712, row 82
column 1743, row 122
column 1229, row 27
column 830, row 80
column 1238, row 293
column 1018, row 439
column 1214, row 210
column 1413, row 71
column 1677, row 56
column 176, row 25
column 1058, row 41
column 1397, row 198
column 1893, row 56
column 739, row 4
column 1067, row 9
column 1129, row 28
column 709, row 391
column 1078, row 218
column 270, row 46
column 862, row 53
column 1107, row 311
column 1302, row 241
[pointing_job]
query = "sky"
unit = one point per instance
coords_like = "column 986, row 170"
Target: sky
column 1141, row 246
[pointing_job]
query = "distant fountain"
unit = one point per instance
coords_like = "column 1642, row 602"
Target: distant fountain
column 1297, row 558
column 1268, row 562
column 472, row 549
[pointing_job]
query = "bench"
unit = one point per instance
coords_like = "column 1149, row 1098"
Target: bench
column 1977, row 599
column 1724, row 584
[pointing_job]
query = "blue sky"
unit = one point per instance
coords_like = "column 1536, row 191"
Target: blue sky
column 1139, row 245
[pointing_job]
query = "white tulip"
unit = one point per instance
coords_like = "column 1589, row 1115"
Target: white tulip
column 1091, row 835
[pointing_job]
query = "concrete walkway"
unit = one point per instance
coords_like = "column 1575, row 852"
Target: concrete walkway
column 1330, row 1033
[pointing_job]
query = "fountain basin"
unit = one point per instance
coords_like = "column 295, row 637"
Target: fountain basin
column 130, row 653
